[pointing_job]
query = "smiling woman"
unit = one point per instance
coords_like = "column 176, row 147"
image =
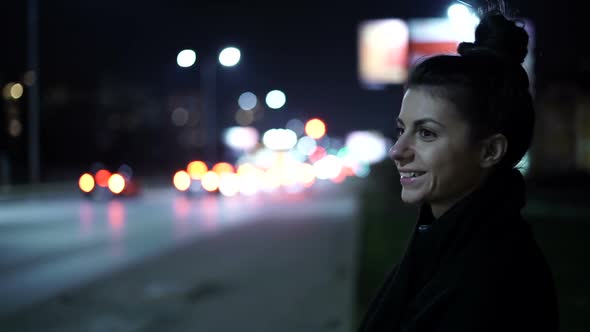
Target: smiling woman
column 472, row 263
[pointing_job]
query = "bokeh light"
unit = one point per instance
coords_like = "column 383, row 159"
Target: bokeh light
column 297, row 126
column 276, row 99
column 458, row 12
column 230, row 56
column 16, row 91
column 328, row 167
column 116, row 183
column 367, row 146
column 180, row 116
column 6, row 90
column 210, row 181
column 306, row 175
column 222, row 167
column 315, row 128
column 244, row 117
column 126, row 171
column 196, row 169
column 186, row 58
column 279, row 139
column 247, row 101
column 86, row 182
column 182, row 180
column 229, row 184
column 15, row 127
column 102, row 178
column 241, row 138
column 306, row 145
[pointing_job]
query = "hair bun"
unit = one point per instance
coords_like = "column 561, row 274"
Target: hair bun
column 496, row 35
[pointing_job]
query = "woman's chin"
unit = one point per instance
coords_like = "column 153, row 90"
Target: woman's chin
column 410, row 197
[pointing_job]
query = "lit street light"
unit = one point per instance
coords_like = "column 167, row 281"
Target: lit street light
column 186, row 58
column 228, row 57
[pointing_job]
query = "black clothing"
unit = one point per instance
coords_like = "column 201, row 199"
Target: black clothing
column 476, row 268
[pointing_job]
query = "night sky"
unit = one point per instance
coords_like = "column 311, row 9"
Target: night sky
column 306, row 48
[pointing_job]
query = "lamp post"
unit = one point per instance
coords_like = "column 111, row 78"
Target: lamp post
column 228, row 57
column 33, row 93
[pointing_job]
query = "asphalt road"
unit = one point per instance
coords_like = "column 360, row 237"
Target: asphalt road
column 291, row 253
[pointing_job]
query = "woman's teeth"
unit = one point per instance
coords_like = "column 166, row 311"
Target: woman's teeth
column 410, row 174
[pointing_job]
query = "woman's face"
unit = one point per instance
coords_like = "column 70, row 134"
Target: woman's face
column 437, row 163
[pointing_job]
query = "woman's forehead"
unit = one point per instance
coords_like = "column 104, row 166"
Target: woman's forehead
column 419, row 104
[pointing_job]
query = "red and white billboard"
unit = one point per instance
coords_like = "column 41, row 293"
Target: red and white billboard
column 383, row 52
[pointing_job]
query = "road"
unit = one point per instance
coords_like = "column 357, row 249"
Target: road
column 289, row 258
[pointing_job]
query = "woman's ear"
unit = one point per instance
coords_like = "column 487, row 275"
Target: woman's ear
column 493, row 150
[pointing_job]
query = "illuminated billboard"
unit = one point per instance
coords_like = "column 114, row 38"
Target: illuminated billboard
column 383, row 52
column 388, row 47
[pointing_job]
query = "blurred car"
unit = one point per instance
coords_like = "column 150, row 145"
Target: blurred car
column 101, row 182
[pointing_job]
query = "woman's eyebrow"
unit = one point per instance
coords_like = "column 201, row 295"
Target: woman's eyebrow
column 420, row 122
column 426, row 120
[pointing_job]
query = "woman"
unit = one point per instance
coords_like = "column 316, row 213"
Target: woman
column 472, row 263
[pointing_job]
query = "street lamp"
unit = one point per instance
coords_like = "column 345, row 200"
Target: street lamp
column 186, row 58
column 228, row 57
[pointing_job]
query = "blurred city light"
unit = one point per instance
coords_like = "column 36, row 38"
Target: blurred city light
column 318, row 154
column 6, row 90
column 102, row 178
column 196, row 169
column 306, row 174
column 458, row 12
column 279, row 139
column 229, row 184
column 229, row 57
column 247, row 101
column 13, row 90
column 328, row 167
column 116, row 183
column 244, row 117
column 126, row 171
column 15, row 127
column 315, row 128
column 210, row 181
column 383, row 52
column 241, row 138
column 223, row 167
column 86, row 182
column 180, row 116
column 181, row 180
column 463, row 20
column 367, row 146
column 186, row 58
column 306, row 145
column 297, row 126
column 276, row 99
column 249, row 177
column 16, row 91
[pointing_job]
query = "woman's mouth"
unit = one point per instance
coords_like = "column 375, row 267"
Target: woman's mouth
column 410, row 174
column 408, row 178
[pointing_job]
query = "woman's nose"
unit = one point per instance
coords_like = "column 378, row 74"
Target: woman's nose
column 400, row 150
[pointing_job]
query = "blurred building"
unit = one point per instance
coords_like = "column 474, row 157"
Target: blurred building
column 562, row 138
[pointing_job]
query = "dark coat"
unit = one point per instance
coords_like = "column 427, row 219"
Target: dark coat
column 476, row 268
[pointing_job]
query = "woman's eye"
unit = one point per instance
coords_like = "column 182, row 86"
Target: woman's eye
column 399, row 132
column 425, row 133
